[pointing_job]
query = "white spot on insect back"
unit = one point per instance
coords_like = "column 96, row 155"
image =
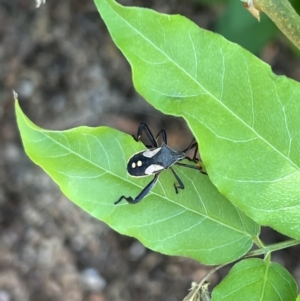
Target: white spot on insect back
column 133, row 165
column 153, row 168
column 139, row 163
column 151, row 153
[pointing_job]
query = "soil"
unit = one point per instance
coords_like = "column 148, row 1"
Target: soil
column 67, row 72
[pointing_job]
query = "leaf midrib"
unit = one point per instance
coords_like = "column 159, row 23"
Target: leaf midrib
column 208, row 92
column 122, row 179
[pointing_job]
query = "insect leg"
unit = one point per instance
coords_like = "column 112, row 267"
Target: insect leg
column 144, row 127
column 198, row 165
column 198, row 162
column 196, row 151
column 192, row 145
column 163, row 134
column 142, row 194
column 179, row 185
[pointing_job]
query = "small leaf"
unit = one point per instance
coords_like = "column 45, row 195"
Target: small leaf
column 245, row 118
column 89, row 165
column 256, row 279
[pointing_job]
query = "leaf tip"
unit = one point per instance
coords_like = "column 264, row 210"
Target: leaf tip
column 15, row 95
column 17, row 105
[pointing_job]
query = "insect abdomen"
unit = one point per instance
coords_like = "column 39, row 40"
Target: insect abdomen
column 141, row 166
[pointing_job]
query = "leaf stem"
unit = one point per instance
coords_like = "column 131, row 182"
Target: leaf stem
column 284, row 16
column 274, row 247
column 266, row 250
column 258, row 242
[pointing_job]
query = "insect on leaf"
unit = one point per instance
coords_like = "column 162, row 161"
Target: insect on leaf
column 89, row 165
column 245, row 118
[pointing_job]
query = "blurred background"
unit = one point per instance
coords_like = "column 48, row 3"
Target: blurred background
column 67, row 72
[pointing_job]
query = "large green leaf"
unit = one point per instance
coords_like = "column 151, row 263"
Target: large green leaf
column 246, row 119
column 255, row 279
column 89, row 165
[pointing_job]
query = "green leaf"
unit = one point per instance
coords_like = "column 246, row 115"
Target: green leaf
column 256, row 279
column 89, row 165
column 245, row 118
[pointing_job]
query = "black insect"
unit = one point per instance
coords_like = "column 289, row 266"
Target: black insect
column 156, row 159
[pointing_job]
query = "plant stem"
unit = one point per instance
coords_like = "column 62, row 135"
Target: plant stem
column 264, row 250
column 284, row 16
column 273, row 247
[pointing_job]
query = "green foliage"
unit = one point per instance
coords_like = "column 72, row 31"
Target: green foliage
column 296, row 5
column 207, row 2
column 262, row 280
column 245, row 118
column 239, row 26
column 89, row 165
